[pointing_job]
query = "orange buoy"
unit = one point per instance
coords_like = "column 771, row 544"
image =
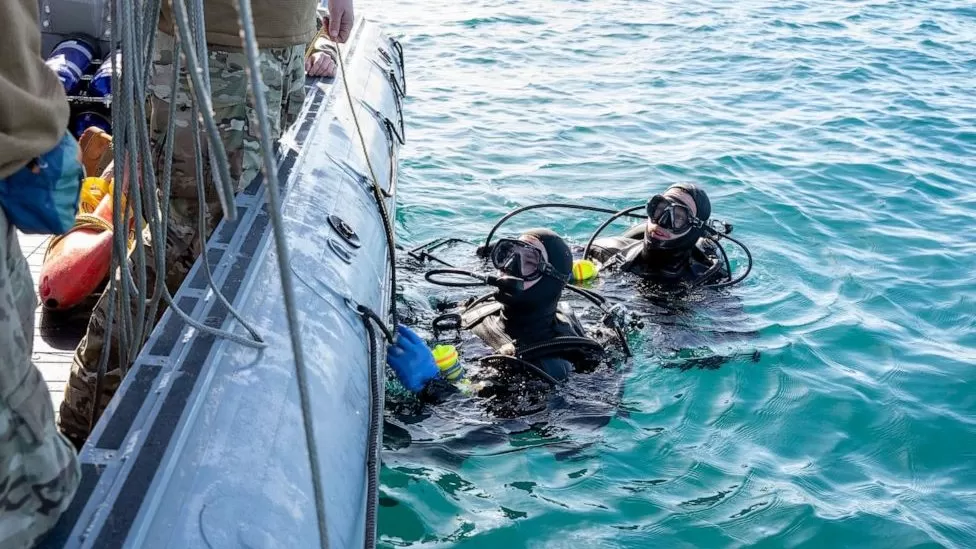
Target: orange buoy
column 77, row 262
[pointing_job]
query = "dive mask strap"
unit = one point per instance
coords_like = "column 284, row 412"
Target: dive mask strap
column 547, row 269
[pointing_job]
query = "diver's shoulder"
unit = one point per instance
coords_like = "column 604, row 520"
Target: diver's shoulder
column 604, row 249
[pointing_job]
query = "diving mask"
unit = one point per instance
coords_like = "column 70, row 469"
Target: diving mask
column 671, row 215
column 522, row 260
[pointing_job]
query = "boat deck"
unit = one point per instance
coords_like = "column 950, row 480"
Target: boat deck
column 55, row 334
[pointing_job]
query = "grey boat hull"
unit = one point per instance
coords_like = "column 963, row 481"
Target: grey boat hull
column 203, row 444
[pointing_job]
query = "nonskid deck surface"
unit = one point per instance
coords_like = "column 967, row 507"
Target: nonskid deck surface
column 56, row 334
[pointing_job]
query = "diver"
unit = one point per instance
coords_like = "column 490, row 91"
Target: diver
column 676, row 248
column 524, row 322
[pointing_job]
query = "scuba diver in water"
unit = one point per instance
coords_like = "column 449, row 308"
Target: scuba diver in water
column 676, row 248
column 523, row 321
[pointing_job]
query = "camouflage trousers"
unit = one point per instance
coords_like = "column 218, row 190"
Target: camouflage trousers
column 283, row 76
column 39, row 470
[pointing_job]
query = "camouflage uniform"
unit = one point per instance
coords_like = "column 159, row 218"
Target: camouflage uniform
column 283, row 74
column 38, row 468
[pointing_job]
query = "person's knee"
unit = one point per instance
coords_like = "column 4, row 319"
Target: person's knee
column 85, row 398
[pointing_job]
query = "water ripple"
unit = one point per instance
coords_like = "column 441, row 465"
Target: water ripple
column 826, row 401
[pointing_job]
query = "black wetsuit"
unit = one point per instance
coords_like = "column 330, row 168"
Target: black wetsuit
column 552, row 342
column 698, row 264
column 528, row 339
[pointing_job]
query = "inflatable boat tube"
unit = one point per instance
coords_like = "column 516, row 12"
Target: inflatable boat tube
column 203, row 444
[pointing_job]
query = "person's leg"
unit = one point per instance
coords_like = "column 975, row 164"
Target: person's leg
column 39, row 470
column 283, row 78
column 180, row 248
column 294, row 95
column 183, row 240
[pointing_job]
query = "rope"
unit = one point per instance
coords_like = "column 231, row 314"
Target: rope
column 373, row 458
column 123, row 39
column 158, row 221
column 151, row 24
column 249, row 43
column 82, row 221
column 159, row 224
column 325, row 48
column 201, row 89
column 202, row 235
column 403, row 67
column 119, row 257
column 130, row 47
column 151, row 15
column 605, row 224
column 368, row 313
column 132, row 151
column 255, row 341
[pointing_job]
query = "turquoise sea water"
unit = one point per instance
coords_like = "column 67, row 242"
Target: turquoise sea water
column 839, row 137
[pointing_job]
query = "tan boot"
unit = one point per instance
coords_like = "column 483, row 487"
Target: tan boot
column 96, row 150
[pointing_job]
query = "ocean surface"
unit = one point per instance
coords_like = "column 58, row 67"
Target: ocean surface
column 827, row 401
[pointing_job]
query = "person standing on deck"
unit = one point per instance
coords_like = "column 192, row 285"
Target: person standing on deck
column 40, row 178
column 283, row 28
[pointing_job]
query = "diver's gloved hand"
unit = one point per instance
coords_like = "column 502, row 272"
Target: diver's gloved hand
column 411, row 360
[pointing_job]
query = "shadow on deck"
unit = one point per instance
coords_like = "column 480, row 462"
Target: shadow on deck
column 55, row 334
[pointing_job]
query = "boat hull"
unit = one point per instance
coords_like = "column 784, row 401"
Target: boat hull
column 203, row 445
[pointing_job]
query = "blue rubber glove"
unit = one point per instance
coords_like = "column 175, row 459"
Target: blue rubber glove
column 411, row 360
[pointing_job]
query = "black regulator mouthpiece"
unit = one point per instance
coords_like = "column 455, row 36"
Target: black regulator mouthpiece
column 505, row 283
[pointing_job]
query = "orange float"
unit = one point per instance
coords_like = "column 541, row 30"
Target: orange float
column 78, row 262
